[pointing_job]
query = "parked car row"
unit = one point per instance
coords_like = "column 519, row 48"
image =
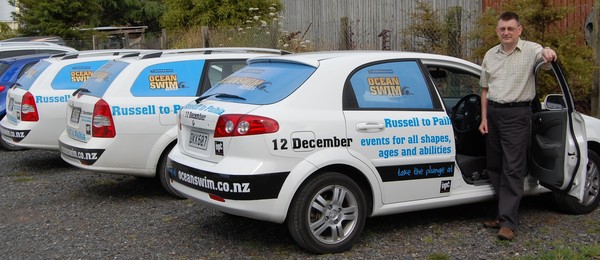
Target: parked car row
column 319, row 141
column 116, row 109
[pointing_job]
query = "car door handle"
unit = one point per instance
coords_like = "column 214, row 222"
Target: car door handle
column 370, row 127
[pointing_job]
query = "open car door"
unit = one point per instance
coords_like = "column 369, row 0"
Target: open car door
column 558, row 156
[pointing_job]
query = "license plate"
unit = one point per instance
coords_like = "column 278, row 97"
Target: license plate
column 198, row 140
column 75, row 115
column 10, row 104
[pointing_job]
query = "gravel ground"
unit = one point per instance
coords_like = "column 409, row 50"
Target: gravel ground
column 50, row 210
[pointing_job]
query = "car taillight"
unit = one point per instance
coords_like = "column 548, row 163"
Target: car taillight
column 241, row 125
column 102, row 121
column 2, row 88
column 28, row 108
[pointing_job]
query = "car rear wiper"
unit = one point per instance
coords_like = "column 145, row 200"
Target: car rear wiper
column 82, row 90
column 219, row 95
column 15, row 85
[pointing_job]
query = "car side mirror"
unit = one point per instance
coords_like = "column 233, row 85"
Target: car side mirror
column 554, row 102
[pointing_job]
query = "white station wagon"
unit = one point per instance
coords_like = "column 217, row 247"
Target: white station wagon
column 35, row 106
column 123, row 120
column 321, row 141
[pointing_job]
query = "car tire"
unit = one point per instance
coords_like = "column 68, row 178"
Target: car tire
column 163, row 175
column 591, row 198
column 315, row 213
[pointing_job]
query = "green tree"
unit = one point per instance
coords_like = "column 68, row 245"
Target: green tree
column 188, row 13
column 132, row 12
column 56, row 17
column 537, row 18
column 6, row 32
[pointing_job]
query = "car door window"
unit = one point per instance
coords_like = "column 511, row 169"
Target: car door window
column 453, row 82
column 391, row 85
column 218, row 70
column 169, row 79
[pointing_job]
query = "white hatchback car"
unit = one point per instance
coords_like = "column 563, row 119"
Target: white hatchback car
column 35, row 106
column 123, row 118
column 322, row 141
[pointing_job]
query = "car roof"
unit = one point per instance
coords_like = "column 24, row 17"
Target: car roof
column 214, row 51
column 94, row 55
column 314, row 59
column 51, row 39
column 101, row 53
column 28, row 57
column 199, row 53
column 33, row 45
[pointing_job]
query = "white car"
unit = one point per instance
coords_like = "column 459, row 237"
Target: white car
column 35, row 106
column 123, row 119
column 12, row 49
column 321, row 141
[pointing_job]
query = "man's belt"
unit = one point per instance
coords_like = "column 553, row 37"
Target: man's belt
column 513, row 104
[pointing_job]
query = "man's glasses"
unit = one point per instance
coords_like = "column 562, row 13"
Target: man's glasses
column 509, row 29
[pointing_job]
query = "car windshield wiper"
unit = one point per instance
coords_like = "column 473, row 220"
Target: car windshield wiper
column 219, row 95
column 82, row 90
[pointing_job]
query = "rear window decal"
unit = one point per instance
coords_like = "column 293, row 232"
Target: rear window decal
column 262, row 83
column 32, row 74
column 102, row 78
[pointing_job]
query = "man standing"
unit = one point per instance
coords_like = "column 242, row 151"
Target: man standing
column 508, row 88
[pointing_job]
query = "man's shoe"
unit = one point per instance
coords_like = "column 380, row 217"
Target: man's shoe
column 495, row 224
column 505, row 234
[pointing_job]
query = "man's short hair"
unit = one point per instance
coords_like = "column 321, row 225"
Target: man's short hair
column 507, row 16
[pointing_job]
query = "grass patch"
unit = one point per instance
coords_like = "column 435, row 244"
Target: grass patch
column 566, row 253
column 438, row 256
column 428, row 239
column 169, row 218
column 23, row 179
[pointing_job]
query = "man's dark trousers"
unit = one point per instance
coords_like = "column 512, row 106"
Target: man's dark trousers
column 508, row 138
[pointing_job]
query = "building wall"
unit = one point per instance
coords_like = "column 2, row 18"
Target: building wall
column 319, row 20
column 5, row 10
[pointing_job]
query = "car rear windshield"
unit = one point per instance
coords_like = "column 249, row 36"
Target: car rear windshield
column 32, row 74
column 101, row 79
column 3, row 67
column 72, row 76
column 261, row 83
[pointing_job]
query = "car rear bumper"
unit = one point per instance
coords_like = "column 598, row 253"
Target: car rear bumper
column 252, row 195
column 124, row 155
